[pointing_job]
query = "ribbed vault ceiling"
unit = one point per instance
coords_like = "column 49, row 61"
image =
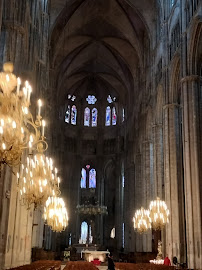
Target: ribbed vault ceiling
column 97, row 46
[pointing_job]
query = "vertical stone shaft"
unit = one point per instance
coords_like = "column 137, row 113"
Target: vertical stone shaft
column 158, row 161
column 171, row 175
column 191, row 146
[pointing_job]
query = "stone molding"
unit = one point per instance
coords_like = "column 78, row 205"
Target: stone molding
column 171, row 105
column 10, row 25
column 191, row 78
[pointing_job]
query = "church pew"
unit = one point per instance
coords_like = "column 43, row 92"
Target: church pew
column 40, row 265
column 142, row 266
column 80, row 265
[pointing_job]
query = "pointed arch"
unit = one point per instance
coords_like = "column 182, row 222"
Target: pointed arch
column 114, row 117
column 87, row 117
column 73, row 115
column 83, row 178
column 84, row 232
column 108, row 116
column 94, row 117
column 92, row 178
column 67, row 115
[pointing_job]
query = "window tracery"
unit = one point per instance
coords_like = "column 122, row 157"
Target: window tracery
column 88, row 177
column 71, row 114
column 94, row 117
column 87, row 117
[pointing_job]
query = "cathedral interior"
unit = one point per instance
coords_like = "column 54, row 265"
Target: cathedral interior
column 121, row 87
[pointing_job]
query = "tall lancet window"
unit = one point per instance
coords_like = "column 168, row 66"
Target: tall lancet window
column 92, row 178
column 114, row 116
column 87, row 117
column 83, row 178
column 94, row 117
column 73, row 115
column 84, row 232
column 108, row 116
column 67, row 114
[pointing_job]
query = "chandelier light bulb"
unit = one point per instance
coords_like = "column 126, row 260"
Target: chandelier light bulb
column 39, row 105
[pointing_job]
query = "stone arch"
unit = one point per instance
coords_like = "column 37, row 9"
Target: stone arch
column 195, row 49
column 174, row 93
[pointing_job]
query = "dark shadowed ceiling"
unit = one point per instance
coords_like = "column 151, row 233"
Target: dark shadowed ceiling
column 98, row 46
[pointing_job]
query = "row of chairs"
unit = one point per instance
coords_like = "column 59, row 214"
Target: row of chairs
column 40, row 265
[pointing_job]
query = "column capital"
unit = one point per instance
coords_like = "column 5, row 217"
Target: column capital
column 191, row 78
column 171, row 105
column 146, row 141
column 13, row 26
column 157, row 125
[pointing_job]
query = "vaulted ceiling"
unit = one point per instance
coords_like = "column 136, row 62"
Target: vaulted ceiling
column 98, row 46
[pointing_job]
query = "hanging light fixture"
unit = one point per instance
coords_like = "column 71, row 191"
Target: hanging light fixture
column 159, row 214
column 89, row 209
column 55, row 214
column 17, row 128
column 38, row 178
column 142, row 220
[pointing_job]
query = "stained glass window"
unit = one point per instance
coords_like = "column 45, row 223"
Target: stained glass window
column 84, row 232
column 92, row 178
column 73, row 115
column 109, row 99
column 94, row 117
column 123, row 115
column 91, row 99
column 83, row 178
column 73, row 98
column 108, row 116
column 67, row 114
column 113, row 116
column 87, row 117
column 90, row 235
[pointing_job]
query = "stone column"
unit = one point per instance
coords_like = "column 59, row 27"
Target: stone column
column 129, row 209
column 191, row 101
column 14, row 33
column 5, row 188
column 147, row 187
column 138, row 198
column 173, row 176
column 158, row 161
column 37, row 228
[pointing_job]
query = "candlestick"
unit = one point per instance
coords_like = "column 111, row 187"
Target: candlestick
column 29, row 93
column 18, row 85
column 39, row 104
column 43, row 127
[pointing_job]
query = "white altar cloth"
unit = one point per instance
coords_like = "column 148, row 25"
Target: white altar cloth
column 90, row 255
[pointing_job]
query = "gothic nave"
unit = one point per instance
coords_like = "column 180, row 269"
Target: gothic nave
column 120, row 83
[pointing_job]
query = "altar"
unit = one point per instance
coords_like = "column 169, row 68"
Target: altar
column 90, row 255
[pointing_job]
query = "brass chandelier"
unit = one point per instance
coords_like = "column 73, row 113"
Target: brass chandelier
column 142, row 220
column 18, row 130
column 38, row 178
column 55, row 214
column 159, row 214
